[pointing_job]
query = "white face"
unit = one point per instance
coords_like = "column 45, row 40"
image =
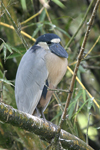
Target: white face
column 55, row 40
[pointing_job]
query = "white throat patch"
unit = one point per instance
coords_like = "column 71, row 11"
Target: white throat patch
column 43, row 45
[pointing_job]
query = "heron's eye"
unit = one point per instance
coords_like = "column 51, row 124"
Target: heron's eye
column 49, row 42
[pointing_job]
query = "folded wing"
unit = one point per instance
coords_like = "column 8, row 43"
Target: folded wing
column 30, row 79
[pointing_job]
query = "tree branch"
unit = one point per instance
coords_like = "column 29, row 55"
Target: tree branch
column 78, row 63
column 46, row 130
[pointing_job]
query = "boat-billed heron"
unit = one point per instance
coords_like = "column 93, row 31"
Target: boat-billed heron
column 42, row 66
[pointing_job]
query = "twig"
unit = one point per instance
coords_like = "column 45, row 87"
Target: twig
column 40, row 11
column 57, row 90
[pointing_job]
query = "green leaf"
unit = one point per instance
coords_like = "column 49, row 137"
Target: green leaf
column 78, row 74
column 71, row 109
column 90, row 103
column 18, row 50
column 89, row 106
column 4, row 51
column 6, row 81
column 78, row 95
column 14, row 55
column 58, row 114
column 23, row 3
column 84, row 95
column 1, row 65
column 5, row 46
column 82, row 69
column 1, row 46
column 59, row 3
column 8, row 47
column 42, row 15
column 37, row 30
column 80, row 109
column 1, row 74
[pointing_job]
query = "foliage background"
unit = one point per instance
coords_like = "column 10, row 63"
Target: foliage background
column 63, row 18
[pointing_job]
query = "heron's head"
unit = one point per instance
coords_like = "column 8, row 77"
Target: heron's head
column 51, row 41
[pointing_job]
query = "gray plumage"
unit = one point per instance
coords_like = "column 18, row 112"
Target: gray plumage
column 30, row 80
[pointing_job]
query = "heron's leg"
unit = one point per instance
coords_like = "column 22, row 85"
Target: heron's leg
column 42, row 114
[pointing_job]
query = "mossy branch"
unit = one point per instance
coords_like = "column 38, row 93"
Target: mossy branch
column 46, row 130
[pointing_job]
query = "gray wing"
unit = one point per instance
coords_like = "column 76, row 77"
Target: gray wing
column 30, row 79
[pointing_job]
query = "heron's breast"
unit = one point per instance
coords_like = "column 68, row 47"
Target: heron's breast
column 56, row 67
